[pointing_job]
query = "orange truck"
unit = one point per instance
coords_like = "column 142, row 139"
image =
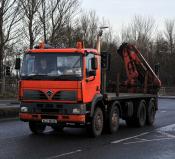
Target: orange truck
column 66, row 87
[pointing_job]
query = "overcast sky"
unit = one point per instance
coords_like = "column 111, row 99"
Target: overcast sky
column 120, row 12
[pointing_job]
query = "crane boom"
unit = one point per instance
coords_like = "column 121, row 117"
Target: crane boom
column 140, row 76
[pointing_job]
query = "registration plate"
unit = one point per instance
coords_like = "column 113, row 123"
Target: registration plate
column 49, row 121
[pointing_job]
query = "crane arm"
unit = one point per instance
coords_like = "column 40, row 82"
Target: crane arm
column 138, row 70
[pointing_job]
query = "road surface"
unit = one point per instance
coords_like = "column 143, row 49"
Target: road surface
column 156, row 142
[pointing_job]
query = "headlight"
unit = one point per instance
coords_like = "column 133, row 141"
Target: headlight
column 76, row 111
column 81, row 109
column 24, row 109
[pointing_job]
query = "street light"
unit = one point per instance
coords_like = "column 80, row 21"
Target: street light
column 100, row 33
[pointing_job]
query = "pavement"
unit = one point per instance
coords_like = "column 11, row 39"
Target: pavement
column 9, row 108
column 167, row 97
column 155, row 142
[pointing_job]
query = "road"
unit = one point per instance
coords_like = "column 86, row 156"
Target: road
column 156, row 142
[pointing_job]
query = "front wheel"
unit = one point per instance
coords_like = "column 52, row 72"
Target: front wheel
column 37, row 127
column 96, row 126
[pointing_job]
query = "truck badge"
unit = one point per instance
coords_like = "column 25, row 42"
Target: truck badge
column 49, row 93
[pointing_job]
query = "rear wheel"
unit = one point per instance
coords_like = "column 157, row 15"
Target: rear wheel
column 139, row 117
column 113, row 120
column 141, row 114
column 37, row 127
column 151, row 112
column 96, row 126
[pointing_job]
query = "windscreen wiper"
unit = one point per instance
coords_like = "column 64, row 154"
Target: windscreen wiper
column 36, row 76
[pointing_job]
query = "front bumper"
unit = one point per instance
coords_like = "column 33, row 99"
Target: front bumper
column 72, row 113
column 60, row 118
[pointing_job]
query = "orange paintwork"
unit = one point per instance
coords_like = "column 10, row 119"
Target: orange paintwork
column 62, row 50
column 53, row 86
column 86, row 89
column 80, row 45
column 60, row 118
column 50, row 84
column 91, row 85
column 41, row 45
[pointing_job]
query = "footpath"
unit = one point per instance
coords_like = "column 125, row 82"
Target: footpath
column 9, row 108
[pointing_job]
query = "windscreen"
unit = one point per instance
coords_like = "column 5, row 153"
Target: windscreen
column 52, row 66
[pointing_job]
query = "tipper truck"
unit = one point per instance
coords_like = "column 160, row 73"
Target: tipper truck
column 66, row 87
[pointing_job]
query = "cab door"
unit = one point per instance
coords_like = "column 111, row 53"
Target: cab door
column 91, row 83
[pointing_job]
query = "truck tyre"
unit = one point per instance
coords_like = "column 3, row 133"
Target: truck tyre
column 141, row 114
column 96, row 126
column 151, row 112
column 37, row 127
column 57, row 128
column 113, row 121
column 139, row 117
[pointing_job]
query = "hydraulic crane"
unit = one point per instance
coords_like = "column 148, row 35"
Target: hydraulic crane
column 140, row 76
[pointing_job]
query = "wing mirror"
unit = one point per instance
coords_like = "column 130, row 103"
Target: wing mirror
column 94, row 63
column 18, row 64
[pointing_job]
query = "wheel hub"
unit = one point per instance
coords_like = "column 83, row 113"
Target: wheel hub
column 98, row 122
column 114, row 119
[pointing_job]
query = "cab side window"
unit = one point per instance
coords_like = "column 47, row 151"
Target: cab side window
column 89, row 57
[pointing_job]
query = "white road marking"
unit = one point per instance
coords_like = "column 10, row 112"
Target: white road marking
column 65, row 154
column 166, row 134
column 141, row 139
column 127, row 143
column 163, row 111
column 167, row 128
column 128, row 138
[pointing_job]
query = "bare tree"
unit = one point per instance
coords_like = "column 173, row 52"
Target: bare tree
column 126, row 34
column 141, row 29
column 30, row 20
column 88, row 27
column 93, row 27
column 9, row 20
column 61, row 12
column 84, row 26
column 139, row 32
column 44, row 18
column 169, row 33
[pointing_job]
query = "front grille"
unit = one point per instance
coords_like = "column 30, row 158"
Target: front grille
column 65, row 96
column 34, row 95
column 49, row 108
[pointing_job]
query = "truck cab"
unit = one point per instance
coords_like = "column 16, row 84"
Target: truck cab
column 58, row 85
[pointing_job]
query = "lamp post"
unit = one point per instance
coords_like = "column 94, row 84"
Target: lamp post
column 104, row 70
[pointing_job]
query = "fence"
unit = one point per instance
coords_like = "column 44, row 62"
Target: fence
column 9, row 89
